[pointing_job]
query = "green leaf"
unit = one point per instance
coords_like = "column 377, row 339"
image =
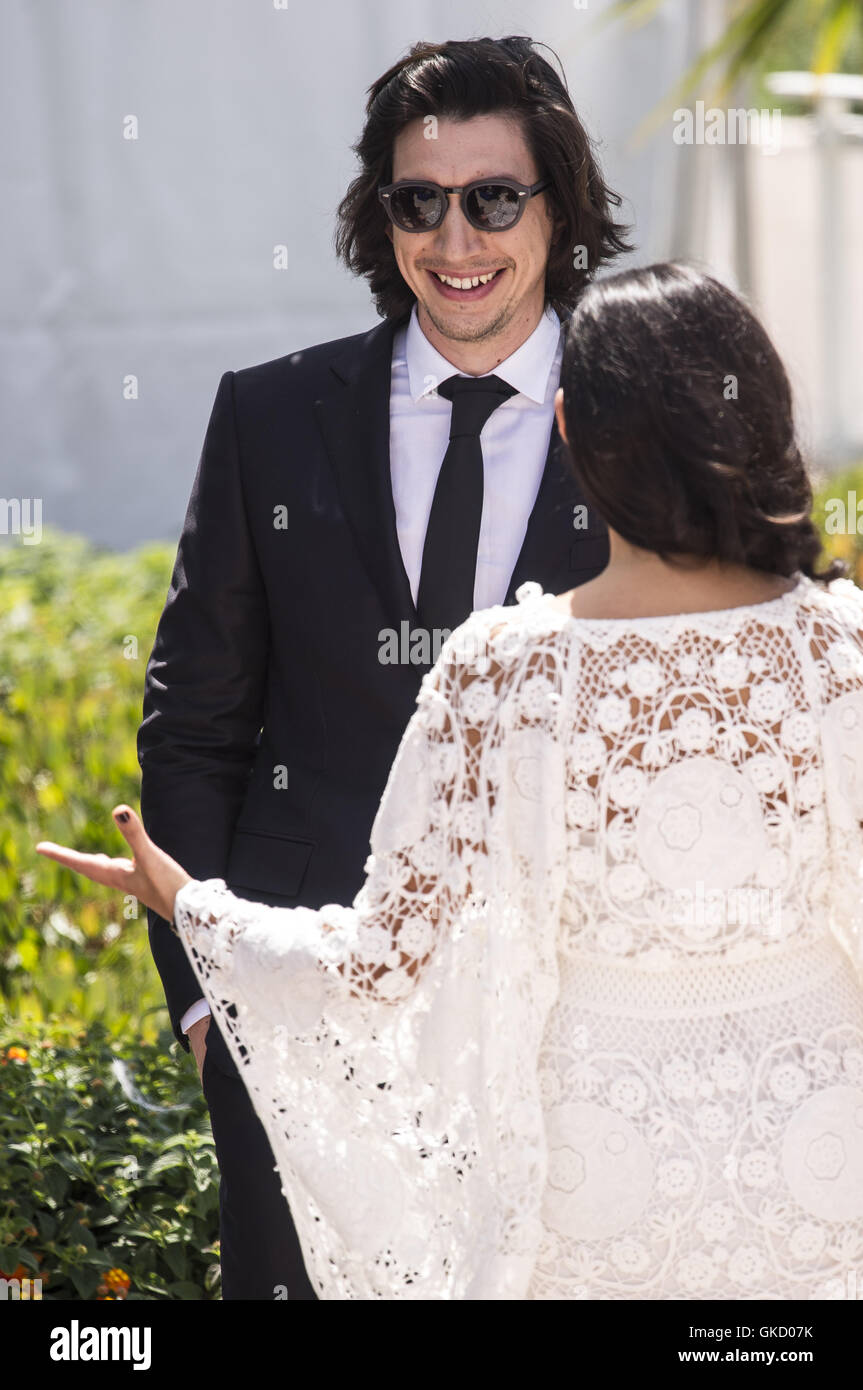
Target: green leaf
column 56, row 1183
column 186, row 1290
column 70, row 1165
column 175, row 1258
column 86, row 1281
column 163, row 1164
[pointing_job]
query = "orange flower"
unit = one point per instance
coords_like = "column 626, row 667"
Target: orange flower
column 18, row 1273
column 118, row 1279
column 17, row 1054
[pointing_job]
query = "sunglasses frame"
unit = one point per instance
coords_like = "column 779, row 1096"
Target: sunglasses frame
column 525, row 191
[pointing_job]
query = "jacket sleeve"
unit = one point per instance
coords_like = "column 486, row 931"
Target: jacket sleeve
column 204, row 687
column 428, row 856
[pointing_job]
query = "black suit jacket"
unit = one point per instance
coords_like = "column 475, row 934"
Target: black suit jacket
column 269, row 722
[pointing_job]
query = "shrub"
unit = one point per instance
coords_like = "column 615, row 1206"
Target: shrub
column 76, row 629
column 108, row 1178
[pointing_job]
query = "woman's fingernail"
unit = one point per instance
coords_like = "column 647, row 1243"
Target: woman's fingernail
column 123, row 816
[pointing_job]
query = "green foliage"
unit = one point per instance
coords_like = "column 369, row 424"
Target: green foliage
column 807, row 37
column 845, row 545
column 92, row 1181
column 76, row 628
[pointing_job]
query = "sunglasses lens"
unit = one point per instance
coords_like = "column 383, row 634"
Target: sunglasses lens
column 493, row 206
column 416, row 208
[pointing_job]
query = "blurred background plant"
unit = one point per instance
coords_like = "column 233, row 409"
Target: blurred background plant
column 845, row 486
column 108, row 1177
column 76, row 628
column 761, row 36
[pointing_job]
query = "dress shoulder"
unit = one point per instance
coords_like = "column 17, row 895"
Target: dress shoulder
column 842, row 596
column 498, row 636
column 841, row 599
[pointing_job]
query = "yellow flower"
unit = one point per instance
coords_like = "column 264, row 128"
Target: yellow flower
column 118, row 1279
column 17, row 1054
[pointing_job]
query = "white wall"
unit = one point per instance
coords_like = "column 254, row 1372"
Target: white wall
column 154, row 256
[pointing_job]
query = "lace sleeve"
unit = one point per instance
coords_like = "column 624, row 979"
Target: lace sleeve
column 390, row 1046
column 428, row 847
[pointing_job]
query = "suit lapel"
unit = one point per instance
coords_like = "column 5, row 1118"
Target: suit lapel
column 354, row 419
column 554, row 551
column 549, row 528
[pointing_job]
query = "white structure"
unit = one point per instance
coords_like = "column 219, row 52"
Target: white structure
column 155, row 155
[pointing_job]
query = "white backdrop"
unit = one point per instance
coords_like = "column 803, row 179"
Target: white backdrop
column 153, row 257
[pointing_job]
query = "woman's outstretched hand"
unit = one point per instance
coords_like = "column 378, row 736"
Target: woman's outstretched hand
column 152, row 876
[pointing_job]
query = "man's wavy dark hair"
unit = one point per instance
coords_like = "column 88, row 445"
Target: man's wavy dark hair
column 460, row 79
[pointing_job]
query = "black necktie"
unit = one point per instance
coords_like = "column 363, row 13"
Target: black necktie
column 445, row 594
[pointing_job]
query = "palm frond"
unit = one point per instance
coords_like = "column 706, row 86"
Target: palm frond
column 741, row 47
column 834, row 35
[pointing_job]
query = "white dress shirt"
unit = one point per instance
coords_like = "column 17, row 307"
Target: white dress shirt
column 514, row 447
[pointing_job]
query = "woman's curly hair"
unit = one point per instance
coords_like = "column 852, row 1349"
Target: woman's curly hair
column 460, row 79
column 679, row 423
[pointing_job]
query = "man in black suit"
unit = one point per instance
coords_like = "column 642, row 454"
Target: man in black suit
column 346, row 515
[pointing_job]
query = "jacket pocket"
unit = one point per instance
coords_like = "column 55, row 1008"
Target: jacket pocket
column 268, row 863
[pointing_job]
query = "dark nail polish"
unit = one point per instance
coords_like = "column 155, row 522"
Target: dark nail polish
column 123, row 816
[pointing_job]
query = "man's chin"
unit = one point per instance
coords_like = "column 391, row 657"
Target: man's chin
column 466, row 328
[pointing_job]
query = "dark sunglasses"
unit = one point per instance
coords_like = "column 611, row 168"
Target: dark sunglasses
column 492, row 205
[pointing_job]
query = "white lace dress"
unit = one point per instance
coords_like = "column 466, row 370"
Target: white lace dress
column 593, row 1025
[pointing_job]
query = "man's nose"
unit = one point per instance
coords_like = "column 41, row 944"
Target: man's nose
column 455, row 235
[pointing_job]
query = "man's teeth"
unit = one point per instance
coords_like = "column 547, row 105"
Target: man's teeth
column 467, row 284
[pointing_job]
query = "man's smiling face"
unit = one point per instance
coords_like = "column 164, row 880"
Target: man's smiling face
column 508, row 308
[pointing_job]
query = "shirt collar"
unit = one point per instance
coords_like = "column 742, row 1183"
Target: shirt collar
column 527, row 369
